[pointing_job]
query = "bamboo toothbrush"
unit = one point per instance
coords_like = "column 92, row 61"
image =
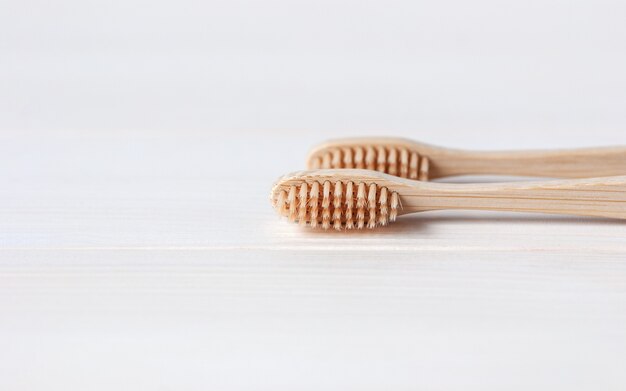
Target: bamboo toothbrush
column 413, row 160
column 353, row 198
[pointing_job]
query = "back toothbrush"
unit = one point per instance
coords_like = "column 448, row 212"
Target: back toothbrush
column 415, row 160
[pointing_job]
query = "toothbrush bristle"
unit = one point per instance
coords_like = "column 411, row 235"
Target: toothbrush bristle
column 339, row 205
column 394, row 205
column 326, row 206
column 393, row 160
column 360, row 206
column 313, row 203
column 337, row 202
column 348, row 162
column 291, row 199
column 371, row 203
column 383, row 202
column 302, row 198
column 349, row 205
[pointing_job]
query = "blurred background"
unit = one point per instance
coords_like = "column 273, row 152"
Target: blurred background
column 442, row 71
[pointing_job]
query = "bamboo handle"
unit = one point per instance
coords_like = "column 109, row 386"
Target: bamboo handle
column 575, row 163
column 601, row 197
column 415, row 160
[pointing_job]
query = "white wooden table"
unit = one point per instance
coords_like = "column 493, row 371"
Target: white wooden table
column 153, row 260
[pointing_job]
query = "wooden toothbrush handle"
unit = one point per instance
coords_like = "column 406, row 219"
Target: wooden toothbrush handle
column 574, row 163
column 601, row 197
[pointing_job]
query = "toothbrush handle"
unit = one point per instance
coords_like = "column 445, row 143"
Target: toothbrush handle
column 574, row 163
column 600, row 197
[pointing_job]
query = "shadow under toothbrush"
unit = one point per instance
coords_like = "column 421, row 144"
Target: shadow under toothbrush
column 425, row 222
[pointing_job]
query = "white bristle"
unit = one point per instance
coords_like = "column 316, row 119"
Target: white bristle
column 327, row 160
column 370, row 158
column 313, row 203
column 349, row 205
column 395, row 203
column 360, row 195
column 383, row 216
column 350, row 194
column 302, row 199
column 371, row 203
column 291, row 199
column 338, row 195
column 337, row 224
column 361, row 200
column 326, row 195
column 371, row 196
column 336, row 160
column 281, row 202
column 392, row 162
column 347, row 158
column 358, row 157
column 404, row 163
column 390, row 159
column 414, row 166
column 337, row 207
column 371, row 222
column 316, row 163
column 382, row 159
column 326, row 205
column 360, row 219
column 338, row 204
column 424, row 167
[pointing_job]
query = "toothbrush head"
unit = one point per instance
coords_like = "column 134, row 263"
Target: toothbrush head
column 341, row 199
column 392, row 156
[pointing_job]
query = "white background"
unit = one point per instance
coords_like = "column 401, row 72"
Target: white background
column 480, row 70
column 138, row 143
